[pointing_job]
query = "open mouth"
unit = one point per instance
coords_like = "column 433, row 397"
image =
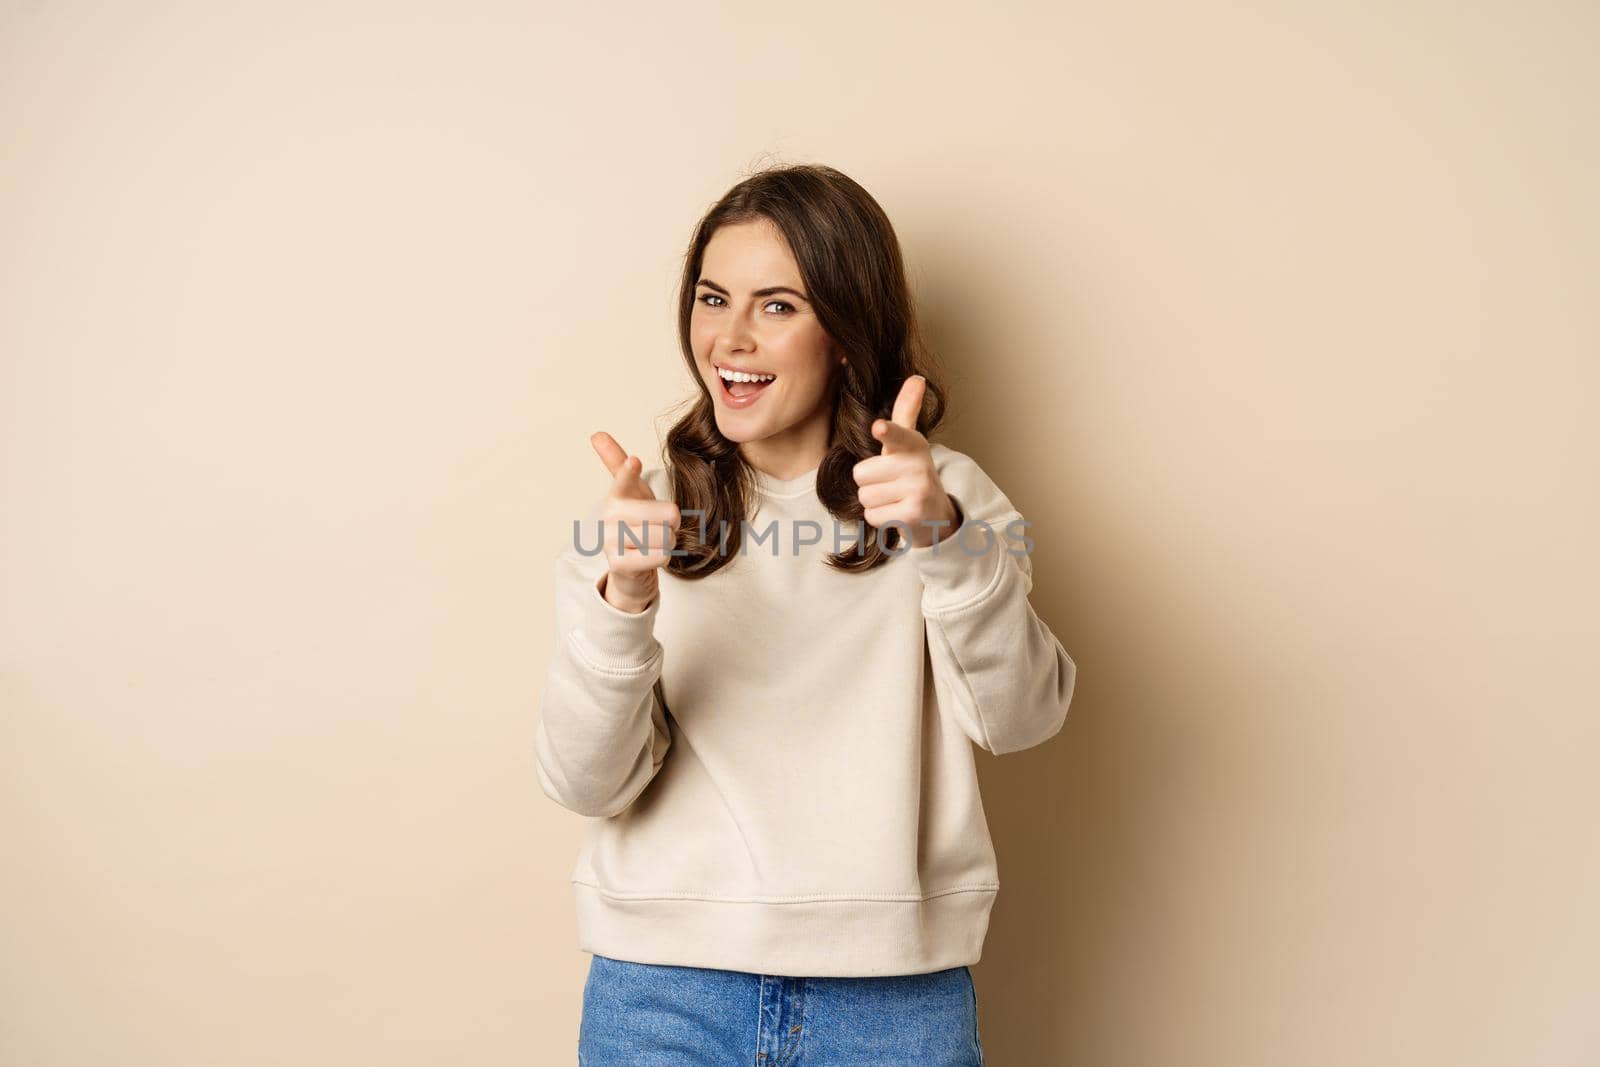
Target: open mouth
column 739, row 389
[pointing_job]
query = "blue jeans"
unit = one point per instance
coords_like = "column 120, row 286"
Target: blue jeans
column 655, row 1015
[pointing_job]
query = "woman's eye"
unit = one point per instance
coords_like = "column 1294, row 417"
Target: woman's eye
column 783, row 303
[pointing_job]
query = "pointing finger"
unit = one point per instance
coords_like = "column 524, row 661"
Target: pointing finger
column 896, row 438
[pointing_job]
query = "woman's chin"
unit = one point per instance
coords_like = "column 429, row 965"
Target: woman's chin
column 738, row 430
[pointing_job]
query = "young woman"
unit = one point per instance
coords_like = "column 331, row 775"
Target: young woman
column 773, row 657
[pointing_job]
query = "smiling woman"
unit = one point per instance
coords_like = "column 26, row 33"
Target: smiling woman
column 788, row 859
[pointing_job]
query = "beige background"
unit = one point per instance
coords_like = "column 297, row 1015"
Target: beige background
column 1277, row 320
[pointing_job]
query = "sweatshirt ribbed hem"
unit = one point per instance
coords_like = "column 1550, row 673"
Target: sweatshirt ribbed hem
column 811, row 938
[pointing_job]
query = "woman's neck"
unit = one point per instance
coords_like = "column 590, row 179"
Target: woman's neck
column 796, row 451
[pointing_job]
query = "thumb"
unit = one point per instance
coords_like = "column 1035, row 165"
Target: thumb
column 625, row 470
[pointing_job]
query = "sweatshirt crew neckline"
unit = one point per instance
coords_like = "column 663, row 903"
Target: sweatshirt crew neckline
column 784, row 488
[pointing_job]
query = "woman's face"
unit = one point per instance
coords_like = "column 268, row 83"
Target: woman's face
column 751, row 313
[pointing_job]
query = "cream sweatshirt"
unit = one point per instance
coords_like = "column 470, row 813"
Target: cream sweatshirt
column 777, row 759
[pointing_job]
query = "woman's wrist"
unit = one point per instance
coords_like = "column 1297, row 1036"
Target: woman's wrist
column 623, row 596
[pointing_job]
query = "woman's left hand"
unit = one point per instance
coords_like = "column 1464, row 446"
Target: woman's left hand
column 900, row 483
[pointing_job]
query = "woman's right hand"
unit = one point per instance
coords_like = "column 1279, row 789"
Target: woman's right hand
column 631, row 580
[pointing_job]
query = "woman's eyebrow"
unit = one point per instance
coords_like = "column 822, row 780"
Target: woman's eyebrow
column 768, row 291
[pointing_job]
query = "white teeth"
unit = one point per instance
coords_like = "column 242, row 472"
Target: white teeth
column 740, row 376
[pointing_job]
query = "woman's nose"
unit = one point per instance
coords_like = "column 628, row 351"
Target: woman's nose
column 735, row 336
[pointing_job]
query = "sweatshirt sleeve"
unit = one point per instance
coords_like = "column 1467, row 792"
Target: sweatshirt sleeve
column 602, row 732
column 996, row 666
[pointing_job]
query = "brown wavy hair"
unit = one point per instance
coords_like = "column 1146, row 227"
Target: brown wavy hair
column 852, row 269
